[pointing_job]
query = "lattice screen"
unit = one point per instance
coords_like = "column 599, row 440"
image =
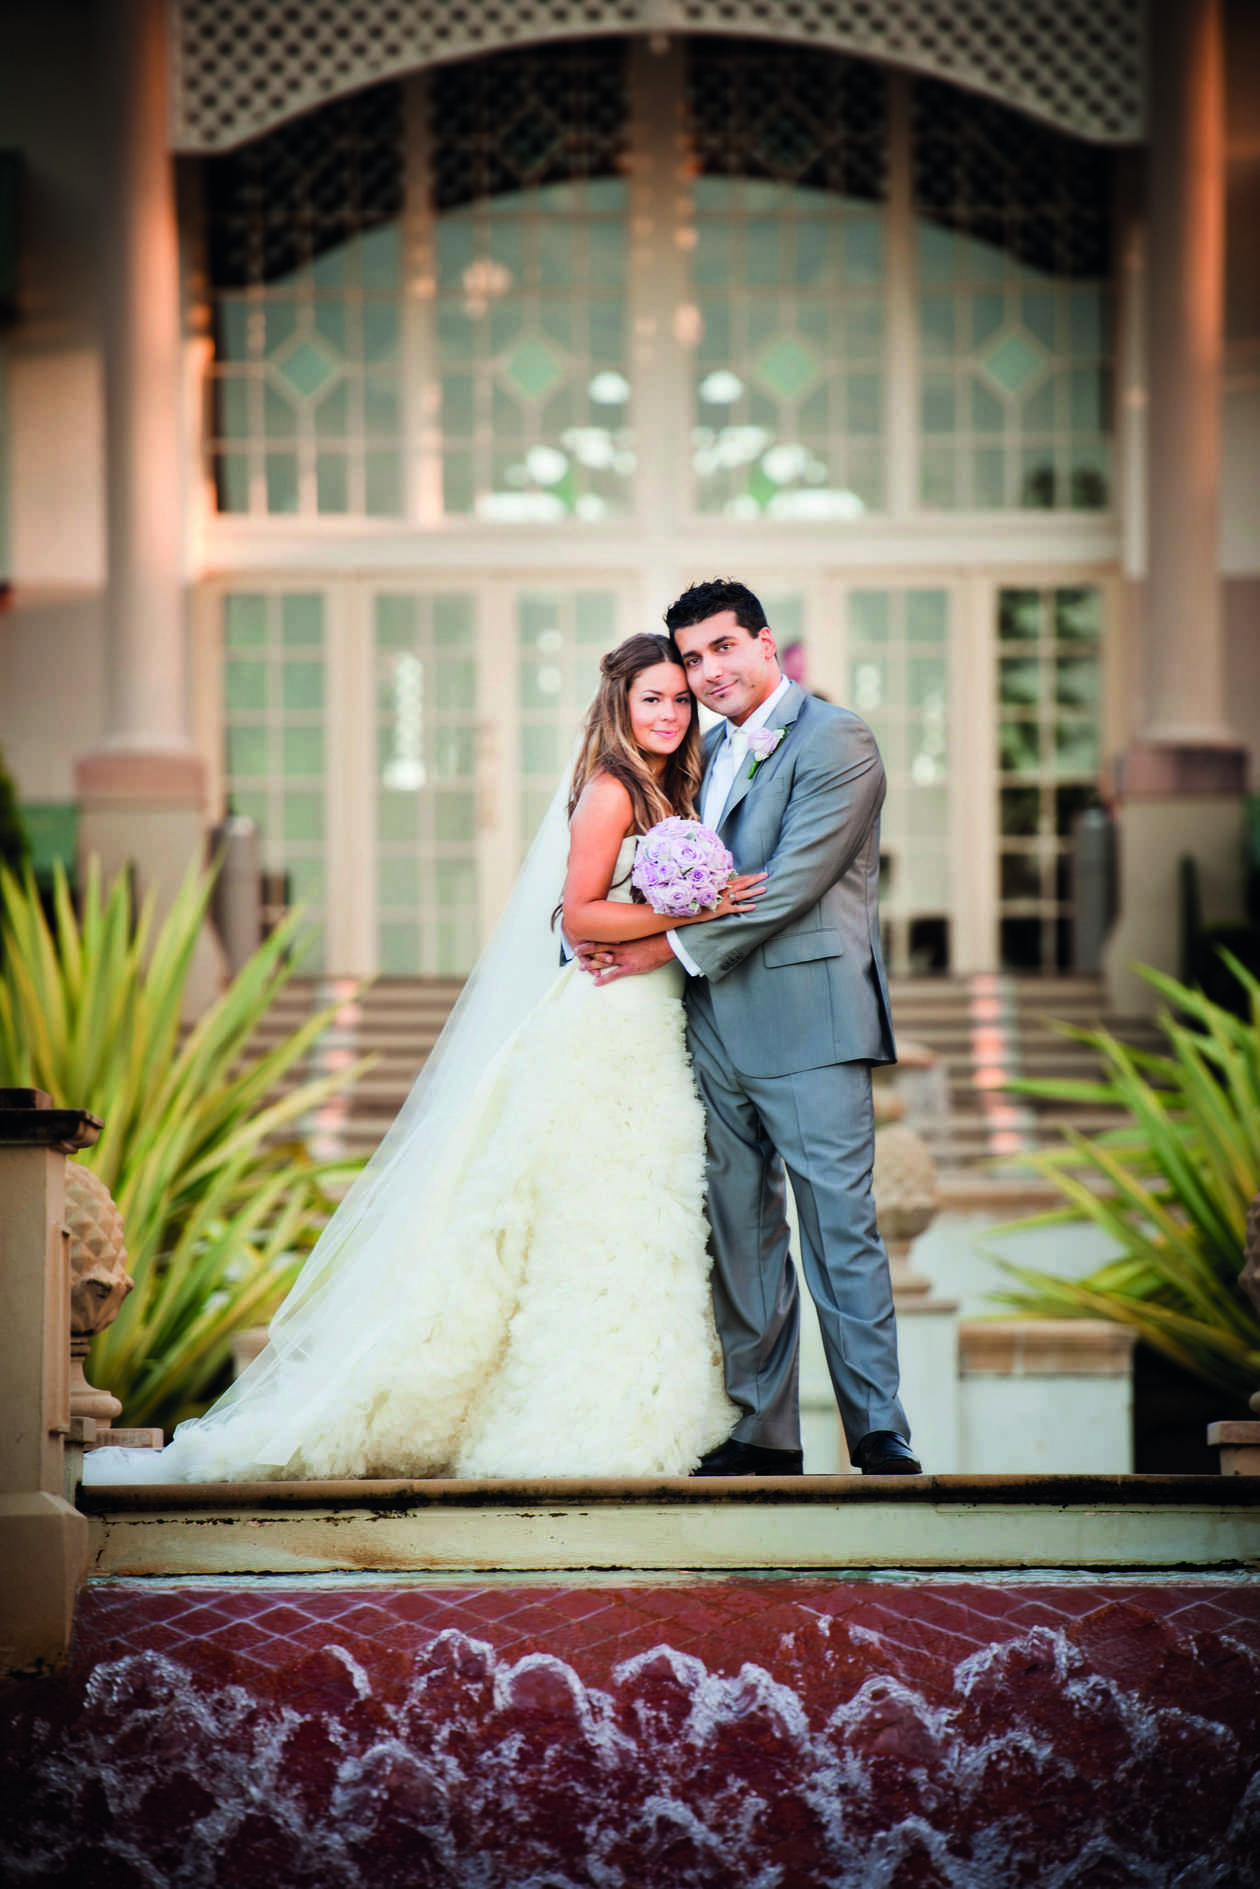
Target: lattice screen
column 242, row 66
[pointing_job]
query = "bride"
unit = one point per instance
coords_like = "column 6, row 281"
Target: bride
column 517, row 1285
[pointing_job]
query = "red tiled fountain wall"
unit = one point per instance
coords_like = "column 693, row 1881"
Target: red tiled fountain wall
column 726, row 1734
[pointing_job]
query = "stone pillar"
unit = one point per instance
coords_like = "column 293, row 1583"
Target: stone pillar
column 43, row 1539
column 1180, row 785
column 143, row 794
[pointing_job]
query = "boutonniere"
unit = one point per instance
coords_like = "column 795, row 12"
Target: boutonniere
column 762, row 743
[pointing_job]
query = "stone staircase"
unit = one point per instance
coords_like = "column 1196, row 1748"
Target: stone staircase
column 983, row 1030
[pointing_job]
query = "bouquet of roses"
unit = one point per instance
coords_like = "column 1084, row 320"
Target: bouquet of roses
column 681, row 867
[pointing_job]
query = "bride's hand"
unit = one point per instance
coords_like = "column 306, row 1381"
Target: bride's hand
column 739, row 894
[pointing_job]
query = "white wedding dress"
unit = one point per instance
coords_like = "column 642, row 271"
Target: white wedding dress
column 558, row 1321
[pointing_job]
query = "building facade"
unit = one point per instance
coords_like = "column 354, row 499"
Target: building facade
column 375, row 367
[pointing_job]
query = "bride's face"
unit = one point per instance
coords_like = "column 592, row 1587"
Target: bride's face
column 660, row 710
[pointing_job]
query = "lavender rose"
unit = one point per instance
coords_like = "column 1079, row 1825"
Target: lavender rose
column 681, row 867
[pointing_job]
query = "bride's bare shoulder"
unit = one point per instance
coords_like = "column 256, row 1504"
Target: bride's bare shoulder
column 603, row 802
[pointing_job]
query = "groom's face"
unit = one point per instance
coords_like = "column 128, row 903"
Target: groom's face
column 731, row 670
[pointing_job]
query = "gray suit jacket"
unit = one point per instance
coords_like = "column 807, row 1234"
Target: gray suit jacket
column 800, row 982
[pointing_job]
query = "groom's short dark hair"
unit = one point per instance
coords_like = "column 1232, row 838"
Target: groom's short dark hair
column 708, row 600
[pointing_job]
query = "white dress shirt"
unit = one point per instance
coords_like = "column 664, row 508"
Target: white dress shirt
column 731, row 753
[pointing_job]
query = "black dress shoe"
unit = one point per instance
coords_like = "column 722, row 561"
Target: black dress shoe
column 749, row 1459
column 884, row 1453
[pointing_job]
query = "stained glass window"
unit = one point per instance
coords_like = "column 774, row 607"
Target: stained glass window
column 787, row 280
column 529, row 151
column 1013, row 240
column 303, row 247
column 1048, row 755
column 560, row 636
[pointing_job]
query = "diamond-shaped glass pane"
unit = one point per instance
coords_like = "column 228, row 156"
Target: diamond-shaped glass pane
column 1015, row 361
column 534, row 368
column 788, row 368
column 308, row 368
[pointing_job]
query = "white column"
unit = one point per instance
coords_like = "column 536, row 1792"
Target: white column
column 142, row 794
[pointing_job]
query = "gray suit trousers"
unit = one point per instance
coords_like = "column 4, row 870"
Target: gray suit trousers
column 819, row 1125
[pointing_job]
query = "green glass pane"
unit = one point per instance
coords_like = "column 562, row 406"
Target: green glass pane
column 864, row 475
column 1076, row 748
column 303, row 686
column 595, row 617
column 303, row 816
column 788, row 367
column 395, row 621
column 307, row 367
column 868, row 684
column 244, row 685
column 332, row 413
column 938, row 403
column 1019, row 811
column 398, row 880
column 458, row 482
column 458, row 409
column 865, row 406
column 282, row 482
column 1085, row 399
column 1019, row 681
column 937, row 476
column 988, row 412
column 398, row 948
column 231, row 328
column 606, row 255
column 457, row 337
column 505, row 323
column 244, row 620
column 507, row 418
column 1038, row 316
column 302, row 752
column 456, row 945
column 246, row 753
column 863, row 323
column 382, row 484
column 380, row 407
column 455, row 683
column 454, row 753
column 712, row 260
column 988, row 478
column 455, row 882
column 310, row 951
column 560, row 412
column 231, row 482
column 302, row 619
column 937, row 251
column 925, row 682
column 453, row 622
column 306, row 876
column 331, row 322
column 1076, row 682
column 936, row 324
column 982, row 262
column 1019, row 747
column 332, row 483
column 1014, row 362
column 505, row 245
column 538, row 616
column 330, row 270
column 927, row 615
column 378, row 257
column 279, row 413
column 1078, row 614
column 868, row 615
column 714, row 193
column 455, row 818
column 380, row 331
column 397, row 817
column 251, row 806
column 988, row 316
column 812, row 246
column 863, row 248
column 540, row 750
column 1019, row 616
column 555, row 254
column 1041, row 409
column 233, row 406
column 534, row 368
column 761, row 252
column 279, row 325
column 1086, row 308
column 456, row 248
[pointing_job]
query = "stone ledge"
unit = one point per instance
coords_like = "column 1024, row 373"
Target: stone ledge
column 1044, row 1347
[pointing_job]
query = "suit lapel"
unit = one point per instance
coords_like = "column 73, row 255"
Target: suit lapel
column 784, row 714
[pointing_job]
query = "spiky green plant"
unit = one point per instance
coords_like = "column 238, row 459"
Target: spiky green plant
column 219, row 1199
column 1170, row 1187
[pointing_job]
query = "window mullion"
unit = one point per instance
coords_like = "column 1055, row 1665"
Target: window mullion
column 901, row 431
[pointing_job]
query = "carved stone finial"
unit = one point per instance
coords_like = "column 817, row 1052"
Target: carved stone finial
column 99, row 1281
column 907, row 1198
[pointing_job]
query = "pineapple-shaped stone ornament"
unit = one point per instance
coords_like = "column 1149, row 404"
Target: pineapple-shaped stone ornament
column 99, row 1281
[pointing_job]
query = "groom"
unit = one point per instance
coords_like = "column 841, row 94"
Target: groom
column 787, row 1010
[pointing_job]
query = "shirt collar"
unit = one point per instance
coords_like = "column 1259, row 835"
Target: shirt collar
column 761, row 714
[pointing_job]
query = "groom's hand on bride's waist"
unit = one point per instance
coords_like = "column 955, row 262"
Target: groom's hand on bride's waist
column 607, row 962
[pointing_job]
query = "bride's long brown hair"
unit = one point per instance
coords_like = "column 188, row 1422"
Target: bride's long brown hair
column 609, row 746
